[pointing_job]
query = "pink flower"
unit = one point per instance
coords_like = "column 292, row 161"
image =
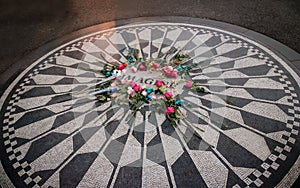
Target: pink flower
column 123, row 81
column 174, row 74
column 159, row 83
column 168, row 95
column 170, row 110
column 167, row 69
column 133, row 69
column 137, row 88
column 142, row 68
column 133, row 84
column 144, row 93
column 188, row 84
column 156, row 65
column 168, row 74
column 113, row 84
column 121, row 67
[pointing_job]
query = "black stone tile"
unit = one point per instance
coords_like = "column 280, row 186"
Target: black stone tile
column 64, row 81
column 213, row 41
column 195, row 142
column 36, row 92
column 44, row 175
column 123, row 139
column 185, row 172
column 73, row 172
column 33, row 116
column 272, row 143
column 235, row 101
column 27, row 168
column 91, row 116
column 76, row 54
column 53, row 71
column 156, row 34
column 155, row 151
column 114, row 151
column 110, row 128
column 184, row 35
column 59, row 99
column 42, row 145
column 168, row 129
column 236, row 53
column 236, row 81
column 266, row 94
column 31, row 184
column 87, row 133
column 138, row 132
column 128, row 37
column 18, row 110
column 256, row 70
column 153, row 49
column 226, row 65
column 63, row 118
column 152, row 118
column 233, row 179
column 100, row 43
column 235, row 154
column 78, row 141
column 262, row 123
column 129, row 176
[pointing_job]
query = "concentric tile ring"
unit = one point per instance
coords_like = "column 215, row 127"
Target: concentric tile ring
column 255, row 93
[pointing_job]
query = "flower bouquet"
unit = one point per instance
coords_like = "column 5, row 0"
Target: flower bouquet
column 161, row 96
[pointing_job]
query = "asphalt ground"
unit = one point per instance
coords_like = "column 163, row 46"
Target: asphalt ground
column 26, row 25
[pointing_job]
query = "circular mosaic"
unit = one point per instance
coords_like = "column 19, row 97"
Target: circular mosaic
column 250, row 114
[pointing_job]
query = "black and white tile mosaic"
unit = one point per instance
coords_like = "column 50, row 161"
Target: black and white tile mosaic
column 46, row 142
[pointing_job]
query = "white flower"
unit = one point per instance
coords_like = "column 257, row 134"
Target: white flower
column 144, row 93
column 117, row 73
column 130, row 91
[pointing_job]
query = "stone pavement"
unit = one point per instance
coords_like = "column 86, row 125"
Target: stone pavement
column 251, row 115
column 26, row 25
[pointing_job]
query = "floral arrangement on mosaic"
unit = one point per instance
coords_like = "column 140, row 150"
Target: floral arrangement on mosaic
column 160, row 95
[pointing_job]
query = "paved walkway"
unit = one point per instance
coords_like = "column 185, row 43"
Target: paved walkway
column 251, row 121
column 28, row 24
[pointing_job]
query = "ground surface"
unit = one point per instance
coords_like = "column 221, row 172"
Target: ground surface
column 52, row 135
column 28, row 24
column 251, row 136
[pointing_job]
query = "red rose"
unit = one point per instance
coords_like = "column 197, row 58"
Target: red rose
column 121, row 67
column 137, row 88
column 133, row 84
column 168, row 95
column 159, row 83
column 170, row 110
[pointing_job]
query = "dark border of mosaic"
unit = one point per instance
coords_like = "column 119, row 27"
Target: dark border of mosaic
column 286, row 54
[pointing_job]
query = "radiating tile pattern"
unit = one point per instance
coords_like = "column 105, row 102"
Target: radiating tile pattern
column 250, row 137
